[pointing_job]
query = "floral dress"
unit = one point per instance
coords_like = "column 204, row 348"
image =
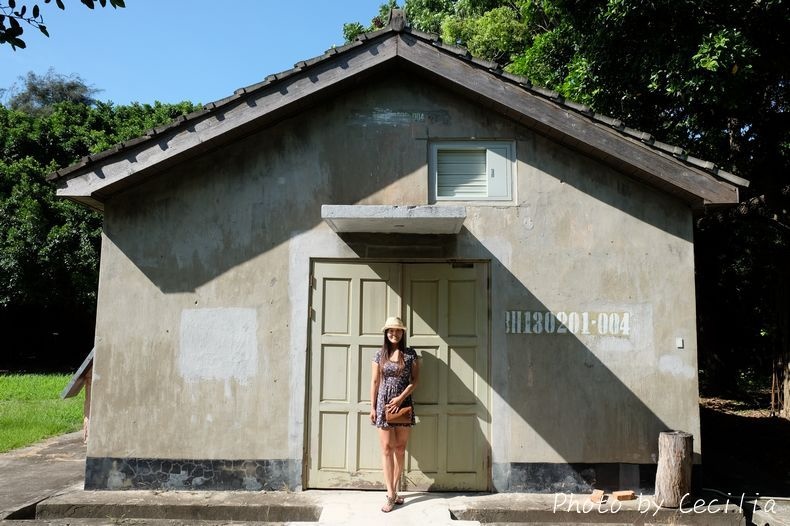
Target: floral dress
column 392, row 384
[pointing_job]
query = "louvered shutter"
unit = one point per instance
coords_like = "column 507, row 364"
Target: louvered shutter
column 461, row 174
column 472, row 170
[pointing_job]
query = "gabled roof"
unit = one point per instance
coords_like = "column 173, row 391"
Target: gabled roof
column 96, row 177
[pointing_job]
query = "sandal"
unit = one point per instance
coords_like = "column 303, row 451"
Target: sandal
column 398, row 500
column 389, row 505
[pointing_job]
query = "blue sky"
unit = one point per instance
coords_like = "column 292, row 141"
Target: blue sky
column 174, row 50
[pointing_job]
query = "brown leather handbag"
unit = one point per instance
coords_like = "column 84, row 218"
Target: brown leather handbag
column 401, row 416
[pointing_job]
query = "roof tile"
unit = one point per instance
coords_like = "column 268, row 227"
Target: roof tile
column 638, row 134
column 707, row 165
column 581, row 108
column 491, row 66
column 669, row 148
column 609, row 121
column 432, row 37
column 731, row 177
column 134, row 142
column 550, row 94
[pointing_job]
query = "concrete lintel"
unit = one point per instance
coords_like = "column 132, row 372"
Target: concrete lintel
column 394, row 219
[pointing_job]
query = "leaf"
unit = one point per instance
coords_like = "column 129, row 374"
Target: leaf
column 43, row 29
column 22, row 11
column 88, row 3
column 12, row 4
column 103, row 3
column 60, row 4
column 118, row 3
column 36, row 11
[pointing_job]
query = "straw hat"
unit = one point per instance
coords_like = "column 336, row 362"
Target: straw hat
column 393, row 322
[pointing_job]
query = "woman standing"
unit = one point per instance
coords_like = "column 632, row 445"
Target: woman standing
column 393, row 379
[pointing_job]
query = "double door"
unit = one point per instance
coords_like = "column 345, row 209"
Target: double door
column 445, row 307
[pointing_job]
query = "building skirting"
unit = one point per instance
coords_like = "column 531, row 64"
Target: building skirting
column 225, row 475
column 545, row 477
column 286, row 474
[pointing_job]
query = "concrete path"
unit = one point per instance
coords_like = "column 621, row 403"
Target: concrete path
column 32, row 474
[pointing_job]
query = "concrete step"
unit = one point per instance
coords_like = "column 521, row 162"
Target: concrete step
column 203, row 508
column 63, row 521
column 563, row 508
column 260, row 507
column 363, row 508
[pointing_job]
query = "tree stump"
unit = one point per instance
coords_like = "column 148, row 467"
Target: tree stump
column 673, row 476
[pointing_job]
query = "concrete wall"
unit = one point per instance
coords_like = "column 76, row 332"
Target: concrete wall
column 218, row 251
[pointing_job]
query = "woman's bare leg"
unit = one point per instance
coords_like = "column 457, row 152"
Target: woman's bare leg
column 387, row 442
column 401, row 439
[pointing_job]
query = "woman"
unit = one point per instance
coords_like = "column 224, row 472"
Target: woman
column 393, row 380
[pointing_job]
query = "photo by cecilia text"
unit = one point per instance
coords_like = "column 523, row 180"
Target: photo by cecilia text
column 647, row 504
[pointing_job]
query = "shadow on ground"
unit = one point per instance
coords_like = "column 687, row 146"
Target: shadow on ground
column 744, row 454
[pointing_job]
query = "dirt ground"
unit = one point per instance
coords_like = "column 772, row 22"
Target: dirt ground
column 744, row 449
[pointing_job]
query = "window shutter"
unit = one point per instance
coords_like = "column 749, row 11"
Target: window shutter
column 461, row 173
column 498, row 168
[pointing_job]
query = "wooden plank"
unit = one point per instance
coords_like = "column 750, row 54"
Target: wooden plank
column 576, row 130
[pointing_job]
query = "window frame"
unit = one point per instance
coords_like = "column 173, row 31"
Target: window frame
column 463, row 144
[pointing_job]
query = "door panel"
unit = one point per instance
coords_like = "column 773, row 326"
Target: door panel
column 334, row 373
column 449, row 329
column 445, row 309
column 336, row 315
column 350, row 300
column 333, row 452
column 461, row 384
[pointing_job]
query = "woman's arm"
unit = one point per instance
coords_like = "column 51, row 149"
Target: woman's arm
column 415, row 377
column 374, row 389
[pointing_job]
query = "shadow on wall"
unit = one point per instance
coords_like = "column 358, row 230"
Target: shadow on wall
column 462, row 455
column 572, row 402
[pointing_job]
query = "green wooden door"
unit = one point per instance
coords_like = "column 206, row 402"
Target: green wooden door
column 446, row 309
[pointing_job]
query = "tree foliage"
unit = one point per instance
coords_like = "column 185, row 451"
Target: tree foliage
column 708, row 75
column 49, row 246
column 15, row 15
column 39, row 93
column 353, row 29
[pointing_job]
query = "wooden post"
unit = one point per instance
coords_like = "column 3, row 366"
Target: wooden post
column 673, row 476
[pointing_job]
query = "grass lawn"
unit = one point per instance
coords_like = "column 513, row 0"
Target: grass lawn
column 31, row 409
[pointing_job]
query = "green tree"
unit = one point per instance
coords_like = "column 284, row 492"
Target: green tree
column 353, row 29
column 17, row 15
column 39, row 93
column 49, row 246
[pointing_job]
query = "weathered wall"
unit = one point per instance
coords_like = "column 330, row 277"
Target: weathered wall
column 216, row 253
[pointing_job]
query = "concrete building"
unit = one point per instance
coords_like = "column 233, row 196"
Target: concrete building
column 541, row 255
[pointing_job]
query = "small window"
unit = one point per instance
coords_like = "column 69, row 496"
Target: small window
column 471, row 171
